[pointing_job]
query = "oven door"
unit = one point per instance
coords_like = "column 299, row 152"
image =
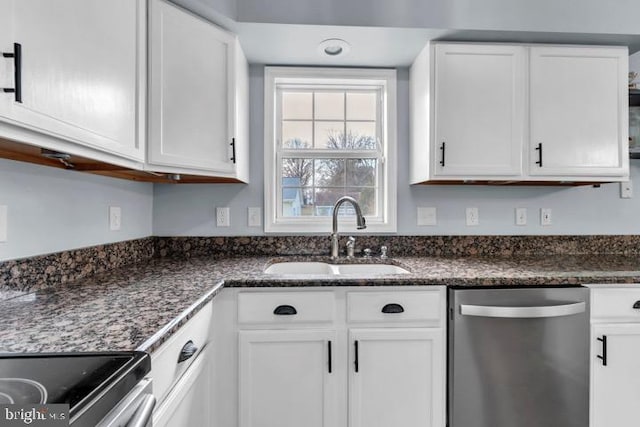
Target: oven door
column 135, row 410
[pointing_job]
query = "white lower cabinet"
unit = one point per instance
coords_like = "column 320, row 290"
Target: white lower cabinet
column 364, row 357
column 286, row 378
column 189, row 402
column 615, row 355
column 396, row 377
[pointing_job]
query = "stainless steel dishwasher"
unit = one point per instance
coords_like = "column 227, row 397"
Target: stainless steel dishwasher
column 518, row 357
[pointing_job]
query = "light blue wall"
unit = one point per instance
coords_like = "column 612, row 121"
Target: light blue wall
column 189, row 210
column 51, row 210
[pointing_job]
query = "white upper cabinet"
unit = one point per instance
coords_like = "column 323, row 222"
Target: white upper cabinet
column 509, row 112
column 82, row 73
column 479, row 93
column 578, row 111
column 198, row 100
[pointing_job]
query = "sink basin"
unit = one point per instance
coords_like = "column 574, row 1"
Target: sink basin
column 322, row 268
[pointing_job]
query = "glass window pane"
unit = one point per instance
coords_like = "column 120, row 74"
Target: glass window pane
column 329, row 172
column 297, row 134
column 361, row 172
column 297, row 105
column 292, row 201
column 329, row 135
column 325, row 198
column 329, row 106
column 366, row 197
column 361, row 106
column 297, row 172
column 361, row 135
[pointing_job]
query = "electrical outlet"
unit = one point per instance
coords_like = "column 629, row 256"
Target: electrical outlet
column 254, row 217
column 3, row 222
column 115, row 218
column 521, row 216
column 222, row 217
column 545, row 216
column 626, row 190
column 472, row 217
column 427, row 216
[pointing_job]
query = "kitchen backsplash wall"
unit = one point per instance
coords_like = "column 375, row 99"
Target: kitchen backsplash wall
column 189, row 210
column 51, row 210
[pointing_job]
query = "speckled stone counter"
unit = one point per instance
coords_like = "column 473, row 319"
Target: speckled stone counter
column 140, row 306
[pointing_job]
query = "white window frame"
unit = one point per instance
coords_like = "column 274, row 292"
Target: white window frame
column 386, row 222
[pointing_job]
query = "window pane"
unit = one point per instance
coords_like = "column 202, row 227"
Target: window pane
column 296, row 105
column 361, row 172
column 362, row 134
column 329, row 172
column 366, row 197
column 361, row 106
column 325, row 198
column 297, row 172
column 329, row 134
column 292, row 201
column 329, row 106
column 296, row 134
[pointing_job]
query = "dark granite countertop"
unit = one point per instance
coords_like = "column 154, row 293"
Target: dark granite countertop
column 140, row 306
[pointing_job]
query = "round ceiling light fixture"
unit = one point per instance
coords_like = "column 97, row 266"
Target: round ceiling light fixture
column 334, row 48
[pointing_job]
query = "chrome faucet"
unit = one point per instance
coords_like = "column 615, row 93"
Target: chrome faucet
column 359, row 220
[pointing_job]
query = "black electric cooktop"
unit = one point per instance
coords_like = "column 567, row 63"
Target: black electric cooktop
column 90, row 383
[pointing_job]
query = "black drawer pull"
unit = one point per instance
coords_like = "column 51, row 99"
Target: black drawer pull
column 442, row 148
column 285, row 310
column 636, row 305
column 356, row 358
column 233, row 147
column 393, row 308
column 603, row 340
column 17, row 72
column 187, row 352
column 539, row 150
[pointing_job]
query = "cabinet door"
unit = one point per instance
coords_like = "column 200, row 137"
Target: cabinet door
column 188, row 404
column 396, row 378
column 479, row 110
column 578, row 111
column 615, row 387
column 192, row 98
column 83, row 71
column 287, row 379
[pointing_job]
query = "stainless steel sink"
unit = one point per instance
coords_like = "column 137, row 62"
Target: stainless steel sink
column 321, row 268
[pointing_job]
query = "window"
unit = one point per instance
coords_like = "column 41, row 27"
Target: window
column 329, row 132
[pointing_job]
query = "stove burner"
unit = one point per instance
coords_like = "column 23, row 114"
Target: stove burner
column 22, row 391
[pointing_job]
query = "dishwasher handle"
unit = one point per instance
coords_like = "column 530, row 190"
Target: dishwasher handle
column 144, row 412
column 523, row 312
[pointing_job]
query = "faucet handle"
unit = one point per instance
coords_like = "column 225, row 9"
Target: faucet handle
column 351, row 246
column 367, row 253
column 383, row 252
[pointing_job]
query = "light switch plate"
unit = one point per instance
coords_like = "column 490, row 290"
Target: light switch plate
column 115, row 218
column 521, row 216
column 427, row 216
column 472, row 217
column 626, row 190
column 545, row 216
column 222, row 217
column 254, row 217
column 3, row 222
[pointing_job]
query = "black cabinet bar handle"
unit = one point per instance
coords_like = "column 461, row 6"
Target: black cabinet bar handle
column 442, row 148
column 233, row 148
column 330, row 357
column 356, row 358
column 17, row 71
column 604, row 350
column 539, row 150
column 285, row 310
column 636, row 305
column 187, row 352
column 392, row 308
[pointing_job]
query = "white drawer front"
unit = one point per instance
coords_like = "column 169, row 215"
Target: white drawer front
column 397, row 306
column 286, row 307
column 615, row 304
column 165, row 369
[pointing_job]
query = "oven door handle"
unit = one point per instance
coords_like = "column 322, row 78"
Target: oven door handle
column 523, row 312
column 144, row 412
